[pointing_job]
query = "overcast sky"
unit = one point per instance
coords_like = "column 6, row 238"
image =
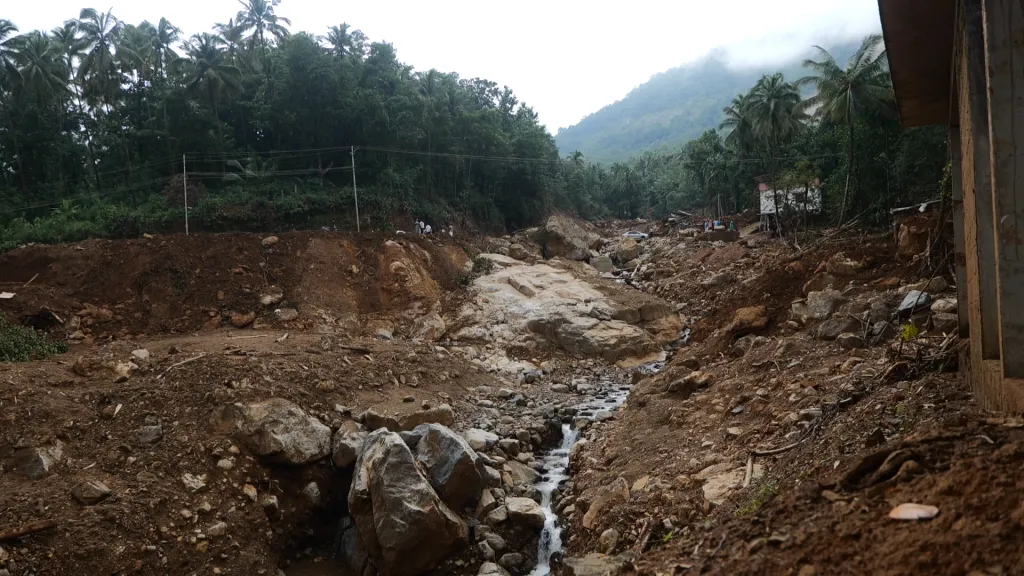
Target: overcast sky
column 565, row 58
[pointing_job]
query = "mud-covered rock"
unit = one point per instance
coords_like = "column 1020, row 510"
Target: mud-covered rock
column 561, row 236
column 275, row 430
column 37, row 462
column 404, row 525
column 429, row 328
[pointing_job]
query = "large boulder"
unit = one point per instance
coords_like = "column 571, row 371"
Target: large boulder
column 627, row 249
column 275, row 430
column 561, row 236
column 602, row 263
column 914, row 238
column 452, row 467
column 403, row 524
column 429, row 328
column 443, row 415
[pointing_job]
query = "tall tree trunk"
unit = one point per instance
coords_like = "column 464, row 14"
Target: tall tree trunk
column 849, row 176
column 88, row 139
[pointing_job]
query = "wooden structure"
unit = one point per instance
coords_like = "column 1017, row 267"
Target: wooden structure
column 961, row 63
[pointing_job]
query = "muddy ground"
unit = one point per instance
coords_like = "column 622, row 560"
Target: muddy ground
column 784, row 454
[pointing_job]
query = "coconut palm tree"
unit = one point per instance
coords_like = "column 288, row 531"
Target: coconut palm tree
column 231, row 36
column 209, row 74
column 72, row 48
column 776, row 117
column 40, row 70
column 164, row 36
column 740, row 125
column 340, row 40
column 258, row 16
column 842, row 95
column 8, row 36
column 98, row 70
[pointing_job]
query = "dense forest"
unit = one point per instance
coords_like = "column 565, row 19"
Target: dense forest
column 104, row 126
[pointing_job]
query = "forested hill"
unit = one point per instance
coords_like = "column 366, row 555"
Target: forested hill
column 671, row 108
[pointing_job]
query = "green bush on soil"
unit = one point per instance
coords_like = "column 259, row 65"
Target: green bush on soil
column 21, row 344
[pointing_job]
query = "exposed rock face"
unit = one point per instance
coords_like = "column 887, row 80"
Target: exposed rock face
column 612, row 340
column 346, row 445
column 90, row 492
column 275, row 430
column 563, row 237
column 831, row 329
column 595, row 564
column 443, row 415
column 404, row 526
column 452, row 467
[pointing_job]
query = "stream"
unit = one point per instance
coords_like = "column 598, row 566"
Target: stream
column 609, row 397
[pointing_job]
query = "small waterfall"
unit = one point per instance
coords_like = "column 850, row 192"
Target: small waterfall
column 557, row 464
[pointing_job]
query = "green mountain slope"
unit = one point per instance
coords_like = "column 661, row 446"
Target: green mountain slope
column 671, row 108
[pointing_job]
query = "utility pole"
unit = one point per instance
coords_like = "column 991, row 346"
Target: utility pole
column 184, row 187
column 354, row 191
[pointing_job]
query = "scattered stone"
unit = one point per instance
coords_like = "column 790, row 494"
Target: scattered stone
column 90, row 492
column 491, row 569
column 226, row 463
column 832, row 328
column 946, row 323
column 937, row 285
column 840, row 265
column 429, row 328
column 525, row 512
column 486, row 551
column 819, row 283
column 480, row 439
column 149, row 435
column 496, row 542
column 141, row 354
column 241, row 320
column 345, row 447
column 192, row 482
column 271, row 298
column 511, row 561
column 817, row 306
column 271, row 507
column 286, row 314
column 312, row 493
column 602, row 264
column 496, row 517
column 945, row 306
column 37, row 462
column 509, row 446
column 269, row 241
column 850, row 341
column 609, row 540
column 217, row 529
column 485, row 504
column 747, row 320
column 914, row 300
column 275, row 430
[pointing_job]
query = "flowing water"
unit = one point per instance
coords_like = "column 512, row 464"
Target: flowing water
column 556, row 465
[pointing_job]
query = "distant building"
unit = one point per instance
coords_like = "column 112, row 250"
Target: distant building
column 800, row 199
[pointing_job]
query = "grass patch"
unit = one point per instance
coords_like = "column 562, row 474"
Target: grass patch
column 764, row 493
column 21, row 344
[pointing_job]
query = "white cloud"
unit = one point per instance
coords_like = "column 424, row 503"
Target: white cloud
column 565, row 58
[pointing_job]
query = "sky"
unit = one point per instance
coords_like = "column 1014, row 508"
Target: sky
column 564, row 58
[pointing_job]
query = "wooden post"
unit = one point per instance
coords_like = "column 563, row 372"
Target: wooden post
column 960, row 259
column 1003, row 24
column 979, row 237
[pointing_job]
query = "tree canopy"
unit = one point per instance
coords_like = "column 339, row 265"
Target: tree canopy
column 105, row 124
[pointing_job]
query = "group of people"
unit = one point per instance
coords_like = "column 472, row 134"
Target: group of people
column 710, row 225
column 423, row 228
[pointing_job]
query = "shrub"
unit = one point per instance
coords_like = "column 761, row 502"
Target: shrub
column 21, row 344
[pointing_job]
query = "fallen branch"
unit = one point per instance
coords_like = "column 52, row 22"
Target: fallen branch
column 750, row 471
column 30, row 280
column 27, row 529
column 719, row 547
column 249, row 337
column 776, row 450
column 182, row 363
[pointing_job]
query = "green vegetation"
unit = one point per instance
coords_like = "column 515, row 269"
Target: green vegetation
column 97, row 115
column 21, row 344
column 764, row 493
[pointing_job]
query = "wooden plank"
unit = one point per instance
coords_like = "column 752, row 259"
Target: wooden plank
column 1003, row 22
column 959, row 257
column 979, row 236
